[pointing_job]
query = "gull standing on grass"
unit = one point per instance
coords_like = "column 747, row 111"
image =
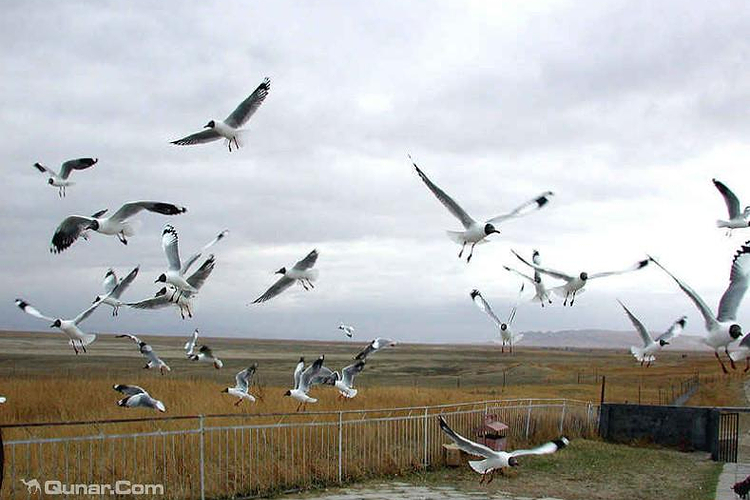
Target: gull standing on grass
column 374, row 346
column 117, row 224
column 147, row 351
column 507, row 336
column 113, row 289
column 302, row 272
column 242, row 383
column 475, row 232
column 645, row 353
column 494, row 460
column 722, row 329
column 60, row 181
column 541, row 294
column 574, row 284
column 737, row 219
column 344, row 381
column 229, row 129
column 68, row 326
column 175, row 274
column 137, row 397
column 304, row 379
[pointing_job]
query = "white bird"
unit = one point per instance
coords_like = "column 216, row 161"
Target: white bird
column 475, row 232
column 494, row 460
column 2, row 399
column 344, row 381
column 113, row 289
column 60, row 181
column 722, row 329
column 541, row 294
column 175, row 274
column 242, row 385
column 75, row 226
column 574, row 284
column 206, row 355
column 645, row 353
column 68, row 326
column 304, row 379
column 737, row 219
column 507, row 335
column 374, row 346
column 230, row 128
column 302, row 272
column 348, row 330
column 190, row 344
column 147, row 351
column 137, row 397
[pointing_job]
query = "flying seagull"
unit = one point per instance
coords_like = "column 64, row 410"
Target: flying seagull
column 304, row 379
column 541, row 294
column 206, row 355
column 374, row 346
column 574, row 284
column 230, row 129
column 722, row 329
column 147, row 351
column 645, row 353
column 494, row 460
column 242, row 385
column 68, row 326
column 348, row 330
column 190, row 344
column 175, row 274
column 475, row 232
column 507, row 336
column 60, row 181
column 344, row 381
column 113, row 289
column 137, row 397
column 737, row 219
column 302, row 272
column 118, row 224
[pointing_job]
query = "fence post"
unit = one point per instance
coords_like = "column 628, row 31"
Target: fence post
column 202, row 464
column 426, row 459
column 562, row 416
column 341, row 447
column 528, row 420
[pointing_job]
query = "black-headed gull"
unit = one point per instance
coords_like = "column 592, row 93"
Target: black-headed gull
column 475, row 232
column 645, row 353
column 347, row 329
column 147, row 352
column 242, row 383
column 344, row 381
column 230, row 128
column 60, row 180
column 175, row 274
column 137, row 397
column 507, row 335
column 190, row 344
column 541, row 293
column 206, row 355
column 737, row 219
column 113, row 289
column 374, row 346
column 302, row 272
column 304, row 379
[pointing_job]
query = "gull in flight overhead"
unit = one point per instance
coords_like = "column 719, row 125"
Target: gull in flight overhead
column 722, row 329
column 645, row 353
column 206, row 355
column 493, row 460
column 75, row 226
column 507, row 336
column 374, row 346
column 60, row 181
column 68, row 326
column 230, row 129
column 348, row 330
column 475, row 232
column 737, row 219
column 175, row 275
column 190, row 344
column 344, row 381
column 304, row 379
column 137, row 397
column 147, row 351
column 242, row 383
column 302, row 272
column 574, row 284
column 541, row 294
column 113, row 289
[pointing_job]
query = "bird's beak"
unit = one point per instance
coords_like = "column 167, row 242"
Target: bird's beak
column 52, row 325
column 207, row 125
column 156, row 280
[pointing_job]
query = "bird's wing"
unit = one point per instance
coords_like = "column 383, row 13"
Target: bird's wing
column 110, row 281
column 130, row 390
column 708, row 316
column 446, row 200
column 124, row 283
column 171, row 246
column 249, row 106
column 205, row 350
column 202, row 137
column 738, row 281
column 369, row 349
column 307, row 376
column 86, row 313
column 78, row 164
column 281, row 284
column 29, row 309
column 148, row 353
column 69, row 230
column 190, row 344
column 674, row 330
column 524, row 209
column 464, row 444
column 199, row 277
column 131, row 208
column 129, row 336
column 243, row 378
column 733, row 203
column 645, row 336
column 44, row 169
column 150, row 303
column 307, row 262
column 324, row 376
column 638, row 265
column 351, row 371
column 482, row 304
column 544, row 449
column 519, row 273
column 555, row 274
column 191, row 260
column 512, row 314
column 298, row 373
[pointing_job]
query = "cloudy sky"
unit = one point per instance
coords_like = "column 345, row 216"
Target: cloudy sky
column 626, row 110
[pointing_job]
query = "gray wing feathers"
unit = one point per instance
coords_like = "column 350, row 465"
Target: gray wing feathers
column 465, row 444
column 731, row 200
column 124, row 283
column 31, row 310
column 482, row 304
column 281, row 284
column 202, row 137
column 171, row 246
column 645, row 337
column 133, row 207
column 191, row 260
column 78, row 164
column 351, row 371
column 545, row 270
column 738, row 282
column 69, row 230
column 307, row 262
column 708, row 316
column 525, row 208
column 448, row 202
column 199, row 277
column 249, row 106
column 130, row 390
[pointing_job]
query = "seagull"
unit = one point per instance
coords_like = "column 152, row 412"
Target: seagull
column 190, row 344
column 184, row 301
column 304, row 379
column 541, row 294
column 344, row 381
column 475, row 232
column 737, row 219
column 722, row 329
column 651, row 346
column 574, row 284
column 348, row 330
column 137, row 397
column 154, row 361
column 242, row 384
column 507, row 336
column 116, row 224
column 206, row 355
column 68, row 326
column 494, row 460
column 60, row 181
column 175, row 275
column 375, row 346
column 302, row 272
column 3, row 399
column 114, row 288
column 230, row 129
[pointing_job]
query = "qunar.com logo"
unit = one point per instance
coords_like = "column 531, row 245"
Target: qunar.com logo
column 54, row 487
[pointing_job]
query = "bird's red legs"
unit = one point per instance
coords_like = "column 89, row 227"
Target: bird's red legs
column 723, row 368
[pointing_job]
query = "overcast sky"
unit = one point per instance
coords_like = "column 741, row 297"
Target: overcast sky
column 626, row 110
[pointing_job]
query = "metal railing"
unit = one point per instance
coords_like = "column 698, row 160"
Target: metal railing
column 242, row 456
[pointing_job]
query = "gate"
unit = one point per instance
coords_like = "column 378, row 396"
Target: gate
column 729, row 432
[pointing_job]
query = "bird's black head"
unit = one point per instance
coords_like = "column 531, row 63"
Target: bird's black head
column 56, row 324
column 584, row 276
column 663, row 342
column 96, row 299
column 288, row 393
column 489, row 229
column 210, row 124
column 513, row 462
column 50, row 181
column 504, row 326
column 301, row 359
column 735, row 331
column 281, row 271
column 161, row 279
column 474, row 293
column 537, row 278
column 225, row 390
column 161, row 292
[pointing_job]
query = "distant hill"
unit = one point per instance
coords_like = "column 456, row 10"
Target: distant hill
column 601, row 339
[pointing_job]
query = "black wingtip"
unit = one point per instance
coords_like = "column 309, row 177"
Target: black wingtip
column 474, row 293
column 443, row 424
column 561, row 442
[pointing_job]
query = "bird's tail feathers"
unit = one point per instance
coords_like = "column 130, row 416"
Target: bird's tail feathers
column 722, row 223
column 313, row 274
column 638, row 354
column 479, row 466
column 131, row 227
column 86, row 339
